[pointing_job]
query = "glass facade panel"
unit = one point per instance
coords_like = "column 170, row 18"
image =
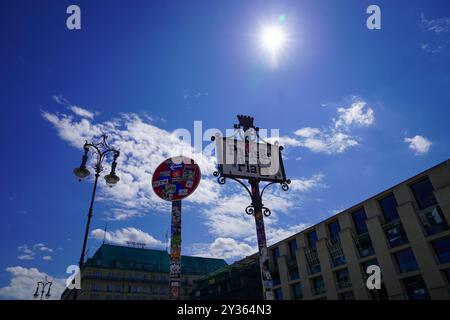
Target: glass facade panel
column 275, row 255
column 333, row 229
column 416, row 289
column 442, row 249
column 433, row 220
column 297, row 291
column 312, row 239
column 343, row 279
column 389, row 208
column 318, row 285
column 278, row 294
column 423, row 192
column 359, row 219
column 406, row 261
column 293, row 248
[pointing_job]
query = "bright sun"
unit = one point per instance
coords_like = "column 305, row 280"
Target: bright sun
column 273, row 39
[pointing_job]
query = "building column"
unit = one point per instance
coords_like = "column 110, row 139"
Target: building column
column 303, row 268
column 283, row 269
column 325, row 261
column 351, row 257
column 384, row 258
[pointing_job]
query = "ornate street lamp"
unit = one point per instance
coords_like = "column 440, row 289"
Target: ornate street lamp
column 101, row 150
column 228, row 149
column 43, row 285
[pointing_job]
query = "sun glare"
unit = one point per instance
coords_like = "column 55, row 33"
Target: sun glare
column 273, row 38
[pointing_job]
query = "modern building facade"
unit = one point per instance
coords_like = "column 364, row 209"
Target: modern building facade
column 403, row 230
column 129, row 273
column 240, row 280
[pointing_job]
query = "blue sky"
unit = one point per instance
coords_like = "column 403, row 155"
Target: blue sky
column 358, row 110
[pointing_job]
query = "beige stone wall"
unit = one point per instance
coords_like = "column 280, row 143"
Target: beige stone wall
column 420, row 244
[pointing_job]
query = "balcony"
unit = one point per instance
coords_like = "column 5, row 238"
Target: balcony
column 313, row 260
column 343, row 284
column 318, row 290
column 336, row 252
column 433, row 220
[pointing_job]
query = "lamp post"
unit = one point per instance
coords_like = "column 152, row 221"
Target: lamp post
column 101, row 150
column 43, row 285
column 254, row 177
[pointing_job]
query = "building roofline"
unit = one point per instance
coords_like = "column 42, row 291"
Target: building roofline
column 408, row 180
column 149, row 249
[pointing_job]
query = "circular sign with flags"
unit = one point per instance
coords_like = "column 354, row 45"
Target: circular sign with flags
column 176, row 178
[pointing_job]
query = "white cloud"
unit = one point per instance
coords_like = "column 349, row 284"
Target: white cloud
column 223, row 248
column 307, row 184
column 358, row 114
column 82, row 112
column 48, row 258
column 419, row 144
column 143, row 147
column 338, row 137
column 325, row 141
column 23, row 283
column 124, row 235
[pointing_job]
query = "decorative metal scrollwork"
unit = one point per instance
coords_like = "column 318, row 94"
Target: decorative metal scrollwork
column 266, row 211
column 285, row 185
column 220, row 179
column 250, row 210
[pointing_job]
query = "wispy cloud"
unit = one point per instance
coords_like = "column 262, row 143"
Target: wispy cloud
column 438, row 34
column 81, row 112
column 438, row 26
column 338, row 136
column 30, row 252
column 420, row 145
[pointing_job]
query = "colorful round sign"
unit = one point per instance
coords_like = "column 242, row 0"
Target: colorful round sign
column 176, row 178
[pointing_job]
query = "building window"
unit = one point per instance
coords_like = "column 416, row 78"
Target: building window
column 343, row 279
column 118, row 288
column 423, row 193
column 109, row 288
column 346, row 296
column 293, row 248
column 433, row 220
column 95, row 287
column 334, row 244
column 406, row 261
column 297, row 291
column 359, row 219
column 364, row 245
column 442, row 249
column 312, row 239
column 334, row 229
column 318, row 286
column 293, row 274
column 275, row 255
column 379, row 294
column 395, row 234
column 389, row 208
column 447, row 275
column 416, row 289
column 278, row 294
